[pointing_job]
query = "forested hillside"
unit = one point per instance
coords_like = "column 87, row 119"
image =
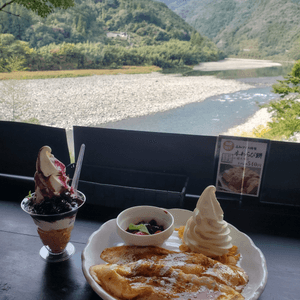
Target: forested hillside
column 248, row 28
column 146, row 21
column 101, row 33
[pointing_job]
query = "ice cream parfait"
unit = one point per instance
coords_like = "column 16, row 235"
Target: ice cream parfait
column 53, row 207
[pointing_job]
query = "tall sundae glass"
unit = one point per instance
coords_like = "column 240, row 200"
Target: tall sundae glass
column 53, row 207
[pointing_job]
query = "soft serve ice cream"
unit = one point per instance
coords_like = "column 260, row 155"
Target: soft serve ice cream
column 53, row 194
column 54, row 204
column 206, row 232
column 50, row 176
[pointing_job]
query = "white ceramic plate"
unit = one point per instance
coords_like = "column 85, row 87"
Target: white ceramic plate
column 252, row 261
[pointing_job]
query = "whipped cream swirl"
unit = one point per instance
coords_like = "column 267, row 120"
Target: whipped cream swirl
column 206, row 232
column 50, row 176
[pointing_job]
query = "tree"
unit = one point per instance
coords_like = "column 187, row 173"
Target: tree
column 13, row 54
column 291, row 84
column 81, row 25
column 196, row 39
column 40, row 7
column 286, row 112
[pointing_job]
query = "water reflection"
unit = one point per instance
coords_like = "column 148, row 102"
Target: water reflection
column 236, row 74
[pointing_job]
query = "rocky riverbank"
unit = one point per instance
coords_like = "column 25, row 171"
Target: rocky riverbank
column 261, row 117
column 90, row 101
column 94, row 100
column 236, row 64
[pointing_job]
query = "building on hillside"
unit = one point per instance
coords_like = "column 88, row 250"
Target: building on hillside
column 122, row 35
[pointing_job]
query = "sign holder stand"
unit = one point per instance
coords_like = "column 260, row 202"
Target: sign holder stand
column 239, row 166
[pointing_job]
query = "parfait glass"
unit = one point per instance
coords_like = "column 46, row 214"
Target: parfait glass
column 55, row 231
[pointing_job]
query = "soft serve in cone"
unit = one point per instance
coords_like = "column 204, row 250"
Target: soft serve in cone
column 206, row 232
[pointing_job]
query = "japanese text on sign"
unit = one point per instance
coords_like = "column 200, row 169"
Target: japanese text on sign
column 240, row 166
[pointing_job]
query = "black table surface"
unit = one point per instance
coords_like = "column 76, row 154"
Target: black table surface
column 25, row 275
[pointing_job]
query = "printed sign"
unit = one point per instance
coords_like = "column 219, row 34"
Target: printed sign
column 240, row 165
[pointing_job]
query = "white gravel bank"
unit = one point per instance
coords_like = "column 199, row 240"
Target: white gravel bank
column 236, row 64
column 90, row 101
column 261, row 117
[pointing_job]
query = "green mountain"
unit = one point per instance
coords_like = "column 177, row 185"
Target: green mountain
column 249, row 28
column 141, row 22
column 174, row 4
column 101, row 34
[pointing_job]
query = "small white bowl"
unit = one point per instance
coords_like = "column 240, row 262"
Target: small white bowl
column 145, row 213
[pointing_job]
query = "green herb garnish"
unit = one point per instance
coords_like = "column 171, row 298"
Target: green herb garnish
column 29, row 194
column 140, row 227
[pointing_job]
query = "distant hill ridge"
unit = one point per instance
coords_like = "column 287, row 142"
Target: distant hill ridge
column 146, row 22
column 249, row 28
column 101, row 34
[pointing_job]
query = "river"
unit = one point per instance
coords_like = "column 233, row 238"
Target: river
column 217, row 114
column 211, row 117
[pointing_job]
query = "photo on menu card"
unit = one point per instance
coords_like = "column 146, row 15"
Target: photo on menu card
column 240, row 165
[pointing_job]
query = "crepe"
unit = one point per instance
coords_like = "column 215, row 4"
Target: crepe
column 187, row 262
column 145, row 280
column 243, row 180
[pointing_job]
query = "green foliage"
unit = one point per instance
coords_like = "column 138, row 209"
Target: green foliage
column 258, row 132
column 291, row 84
column 274, row 24
column 70, row 56
column 286, row 119
column 2, row 65
column 92, row 20
column 222, row 13
column 196, row 39
column 294, row 53
column 40, row 7
column 261, row 131
column 76, row 38
column 15, row 63
column 285, row 112
column 14, row 54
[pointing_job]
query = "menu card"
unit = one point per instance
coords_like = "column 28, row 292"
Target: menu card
column 240, row 165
